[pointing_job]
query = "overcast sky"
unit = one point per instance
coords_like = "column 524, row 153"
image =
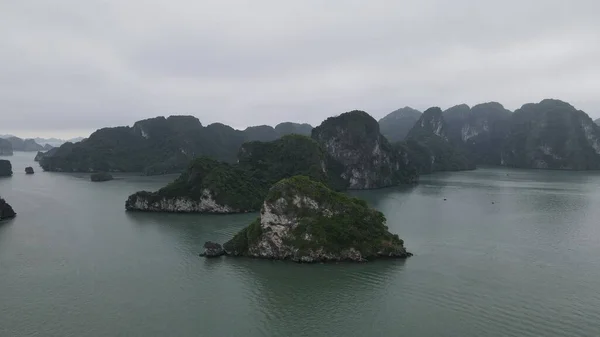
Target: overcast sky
column 68, row 67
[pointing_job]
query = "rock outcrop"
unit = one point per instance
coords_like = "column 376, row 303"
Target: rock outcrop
column 552, row 135
column 101, row 176
column 304, row 221
column 6, row 148
column 5, row 168
column 212, row 249
column 366, row 158
column 480, row 131
column 29, row 170
column 49, row 153
column 430, row 148
column 6, row 212
column 396, row 125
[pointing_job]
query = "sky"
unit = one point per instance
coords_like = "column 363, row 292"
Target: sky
column 69, row 67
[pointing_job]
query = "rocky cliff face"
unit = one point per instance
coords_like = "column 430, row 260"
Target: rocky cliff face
column 154, row 202
column 304, row 221
column 5, row 148
column 5, row 168
column 430, row 148
column 480, row 130
column 396, row 125
column 6, row 212
column 552, row 135
column 366, row 159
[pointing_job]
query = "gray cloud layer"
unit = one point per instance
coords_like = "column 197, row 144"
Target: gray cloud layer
column 72, row 64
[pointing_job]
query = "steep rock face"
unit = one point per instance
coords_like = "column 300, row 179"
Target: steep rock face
column 29, row 170
column 6, row 148
column 366, row 158
column 19, row 144
column 429, row 147
column 208, row 186
column 480, row 130
column 304, row 221
column 5, row 168
column 288, row 128
column 396, row 125
column 48, row 153
column 430, row 123
column 6, row 212
column 552, row 135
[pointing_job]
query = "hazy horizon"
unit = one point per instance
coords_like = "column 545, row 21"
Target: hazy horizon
column 71, row 67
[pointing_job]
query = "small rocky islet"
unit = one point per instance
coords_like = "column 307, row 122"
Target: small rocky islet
column 304, row 221
column 6, row 211
column 5, row 168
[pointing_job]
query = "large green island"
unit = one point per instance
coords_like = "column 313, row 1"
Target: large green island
column 304, row 221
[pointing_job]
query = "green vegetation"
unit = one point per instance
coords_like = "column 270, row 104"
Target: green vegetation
column 5, row 168
column 154, row 146
column 396, row 125
column 335, row 224
column 554, row 135
column 243, row 186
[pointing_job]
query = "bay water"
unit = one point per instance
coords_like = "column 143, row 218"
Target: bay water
column 498, row 252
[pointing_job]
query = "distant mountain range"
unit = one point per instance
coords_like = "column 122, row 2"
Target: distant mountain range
column 54, row 142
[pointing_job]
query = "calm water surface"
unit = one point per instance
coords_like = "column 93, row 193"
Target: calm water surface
column 509, row 253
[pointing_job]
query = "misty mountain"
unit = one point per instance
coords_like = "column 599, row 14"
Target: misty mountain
column 396, row 125
column 154, row 146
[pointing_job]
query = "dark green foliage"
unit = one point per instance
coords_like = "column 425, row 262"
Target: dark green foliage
column 359, row 125
column 552, row 134
column 288, row 128
column 5, row 168
column 6, row 212
column 396, row 125
column 101, row 176
column 240, row 243
column 288, row 156
column 351, row 223
column 243, row 186
column 154, row 146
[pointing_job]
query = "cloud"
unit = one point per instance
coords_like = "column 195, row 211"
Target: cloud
column 72, row 65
